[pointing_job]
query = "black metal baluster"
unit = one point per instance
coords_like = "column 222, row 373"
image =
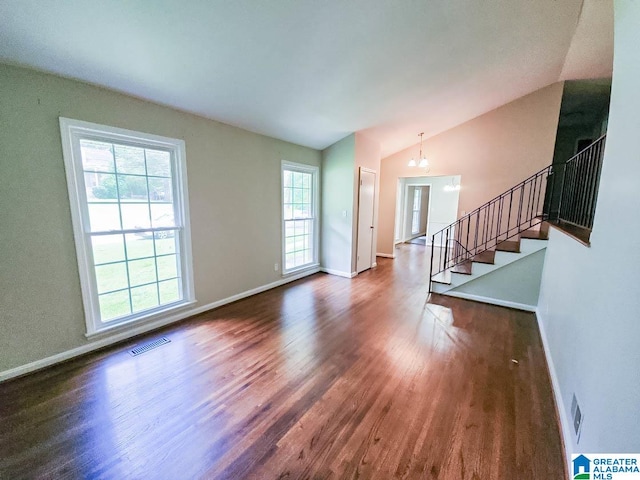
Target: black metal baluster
column 539, row 195
column 475, row 242
column 548, row 201
column 583, row 175
column 569, row 187
column 500, row 230
column 597, row 165
column 562, row 191
column 580, row 184
column 591, row 176
column 520, row 208
column 492, row 214
column 532, row 189
column 597, row 179
column 577, row 183
column 571, row 191
column 468, row 227
column 485, row 236
column 446, row 250
column 509, row 217
column 590, row 185
column 440, row 252
column 433, row 241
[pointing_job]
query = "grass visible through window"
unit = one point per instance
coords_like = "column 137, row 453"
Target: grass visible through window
column 153, row 280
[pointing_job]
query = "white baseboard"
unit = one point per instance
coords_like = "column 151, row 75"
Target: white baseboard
column 385, row 255
column 492, row 301
column 565, row 423
column 104, row 341
column 374, row 264
column 339, row 273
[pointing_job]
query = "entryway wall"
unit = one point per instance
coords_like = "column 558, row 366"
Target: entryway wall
column 493, row 152
column 340, row 174
column 442, row 204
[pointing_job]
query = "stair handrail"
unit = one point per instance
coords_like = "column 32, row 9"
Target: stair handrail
column 577, row 183
column 580, row 184
column 496, row 198
column 456, row 250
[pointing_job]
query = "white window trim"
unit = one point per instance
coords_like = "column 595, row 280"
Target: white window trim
column 71, row 131
column 315, row 171
column 417, row 192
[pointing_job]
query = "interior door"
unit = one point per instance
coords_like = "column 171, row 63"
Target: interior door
column 366, row 199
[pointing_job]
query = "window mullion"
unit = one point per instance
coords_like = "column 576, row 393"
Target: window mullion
column 124, row 237
column 153, row 235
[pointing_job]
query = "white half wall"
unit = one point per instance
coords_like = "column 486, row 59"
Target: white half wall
column 516, row 284
column 589, row 308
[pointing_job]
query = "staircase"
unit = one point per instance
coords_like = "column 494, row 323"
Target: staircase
column 515, row 224
column 505, row 253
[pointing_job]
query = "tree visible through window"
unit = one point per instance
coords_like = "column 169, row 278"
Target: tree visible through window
column 299, row 216
column 130, row 221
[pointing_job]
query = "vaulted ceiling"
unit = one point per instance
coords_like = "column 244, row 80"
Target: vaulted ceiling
column 311, row 72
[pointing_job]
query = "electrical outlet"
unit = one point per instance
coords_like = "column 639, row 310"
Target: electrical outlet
column 275, row 267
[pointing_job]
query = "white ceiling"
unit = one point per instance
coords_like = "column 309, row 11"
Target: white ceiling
column 310, row 71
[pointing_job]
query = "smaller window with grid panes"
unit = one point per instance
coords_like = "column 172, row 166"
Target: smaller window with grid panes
column 299, row 213
column 415, row 212
column 131, row 225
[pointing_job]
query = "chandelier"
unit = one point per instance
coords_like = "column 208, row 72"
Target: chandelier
column 422, row 160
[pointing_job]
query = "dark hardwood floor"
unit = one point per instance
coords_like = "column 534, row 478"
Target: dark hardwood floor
column 324, row 378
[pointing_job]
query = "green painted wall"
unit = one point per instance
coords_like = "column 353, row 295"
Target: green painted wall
column 338, row 170
column 234, row 195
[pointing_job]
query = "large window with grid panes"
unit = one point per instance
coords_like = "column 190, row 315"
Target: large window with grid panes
column 128, row 195
column 300, row 216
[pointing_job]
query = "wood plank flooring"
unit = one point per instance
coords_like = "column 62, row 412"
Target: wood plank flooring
column 325, row 378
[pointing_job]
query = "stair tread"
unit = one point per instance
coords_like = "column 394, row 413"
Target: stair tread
column 544, row 227
column 535, row 234
column 488, row 256
column 512, row 246
column 580, row 234
column 464, row 268
column 443, row 278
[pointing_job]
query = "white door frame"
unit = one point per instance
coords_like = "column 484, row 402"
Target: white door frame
column 405, row 206
column 372, row 260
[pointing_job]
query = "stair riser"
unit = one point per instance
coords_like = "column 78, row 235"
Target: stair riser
column 527, row 247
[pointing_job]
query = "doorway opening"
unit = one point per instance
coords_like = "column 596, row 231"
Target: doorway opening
column 424, row 205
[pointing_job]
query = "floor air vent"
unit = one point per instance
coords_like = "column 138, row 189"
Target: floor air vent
column 145, row 347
